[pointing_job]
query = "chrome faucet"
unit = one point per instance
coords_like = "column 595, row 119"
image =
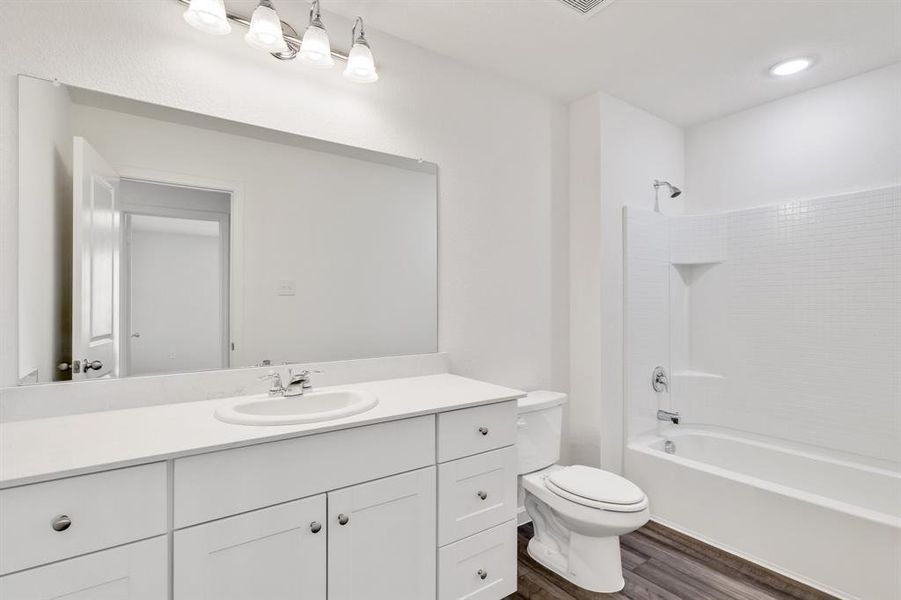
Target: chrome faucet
column 665, row 415
column 298, row 383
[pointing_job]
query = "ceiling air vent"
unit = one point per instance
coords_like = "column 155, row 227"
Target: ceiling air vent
column 586, row 7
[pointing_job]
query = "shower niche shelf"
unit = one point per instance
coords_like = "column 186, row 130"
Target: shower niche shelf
column 692, row 374
column 695, row 262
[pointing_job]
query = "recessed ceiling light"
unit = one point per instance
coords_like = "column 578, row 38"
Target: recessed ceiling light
column 791, row 66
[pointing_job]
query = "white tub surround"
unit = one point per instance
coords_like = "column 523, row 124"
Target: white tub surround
column 832, row 521
column 779, row 328
column 274, row 511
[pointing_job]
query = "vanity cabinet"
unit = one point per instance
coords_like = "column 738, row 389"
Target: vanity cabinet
column 477, row 502
column 381, row 540
column 421, row 508
column 480, row 567
column 50, row 521
column 380, row 544
column 220, row 484
column 137, row 571
column 276, row 552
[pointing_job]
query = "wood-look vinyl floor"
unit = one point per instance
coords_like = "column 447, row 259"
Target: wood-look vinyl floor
column 662, row 564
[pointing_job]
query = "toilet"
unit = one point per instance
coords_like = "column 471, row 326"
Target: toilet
column 578, row 512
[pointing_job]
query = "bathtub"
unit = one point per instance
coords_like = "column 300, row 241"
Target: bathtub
column 826, row 519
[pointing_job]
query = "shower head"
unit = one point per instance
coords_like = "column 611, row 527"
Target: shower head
column 674, row 192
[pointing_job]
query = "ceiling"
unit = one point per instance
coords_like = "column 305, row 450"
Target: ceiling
column 687, row 61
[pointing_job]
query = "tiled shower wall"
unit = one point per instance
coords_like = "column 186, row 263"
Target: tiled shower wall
column 792, row 328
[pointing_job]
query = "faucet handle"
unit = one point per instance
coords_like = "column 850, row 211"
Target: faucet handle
column 276, row 387
column 272, row 374
column 301, row 376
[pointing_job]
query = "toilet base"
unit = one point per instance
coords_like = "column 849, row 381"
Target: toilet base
column 592, row 563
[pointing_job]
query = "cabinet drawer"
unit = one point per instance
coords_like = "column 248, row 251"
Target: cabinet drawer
column 138, row 571
column 104, row 510
column 474, row 430
column 220, row 484
column 481, row 567
column 476, row 493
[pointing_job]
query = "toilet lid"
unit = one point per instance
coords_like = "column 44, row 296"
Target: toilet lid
column 597, row 485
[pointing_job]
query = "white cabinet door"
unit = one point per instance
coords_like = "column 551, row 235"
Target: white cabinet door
column 275, row 553
column 136, row 571
column 382, row 539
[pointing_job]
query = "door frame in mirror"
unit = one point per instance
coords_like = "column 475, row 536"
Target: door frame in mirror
column 235, row 282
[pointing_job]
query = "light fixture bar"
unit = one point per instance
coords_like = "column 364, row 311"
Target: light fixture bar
column 290, row 34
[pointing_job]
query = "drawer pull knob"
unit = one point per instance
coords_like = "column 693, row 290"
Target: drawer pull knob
column 315, row 526
column 483, row 574
column 61, row 523
column 483, row 430
column 343, row 519
column 482, row 495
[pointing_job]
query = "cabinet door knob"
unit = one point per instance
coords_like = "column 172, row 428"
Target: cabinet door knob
column 482, row 495
column 315, row 526
column 483, row 574
column 343, row 519
column 61, row 523
column 483, row 430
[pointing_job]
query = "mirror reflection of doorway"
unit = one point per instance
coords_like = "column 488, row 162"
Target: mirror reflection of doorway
column 175, row 278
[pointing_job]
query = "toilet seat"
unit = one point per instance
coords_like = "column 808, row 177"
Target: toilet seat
column 595, row 488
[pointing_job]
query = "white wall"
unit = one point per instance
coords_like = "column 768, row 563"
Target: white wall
column 501, row 150
column 838, row 138
column 616, row 152
column 45, row 257
column 584, row 409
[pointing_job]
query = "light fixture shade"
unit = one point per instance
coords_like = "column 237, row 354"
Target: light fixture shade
column 208, row 16
column 360, row 64
column 315, row 49
column 265, row 31
column 791, row 66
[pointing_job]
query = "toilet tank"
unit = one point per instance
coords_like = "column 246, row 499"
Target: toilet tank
column 539, row 425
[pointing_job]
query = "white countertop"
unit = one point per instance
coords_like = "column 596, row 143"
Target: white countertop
column 54, row 447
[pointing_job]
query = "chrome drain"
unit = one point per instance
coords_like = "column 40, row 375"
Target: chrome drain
column 669, row 447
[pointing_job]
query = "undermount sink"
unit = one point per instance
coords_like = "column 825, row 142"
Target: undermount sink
column 311, row 407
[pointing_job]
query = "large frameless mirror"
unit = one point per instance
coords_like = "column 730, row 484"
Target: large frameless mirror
column 152, row 240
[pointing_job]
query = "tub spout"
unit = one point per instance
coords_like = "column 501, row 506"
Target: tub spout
column 665, row 415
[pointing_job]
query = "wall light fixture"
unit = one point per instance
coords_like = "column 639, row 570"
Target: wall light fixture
column 266, row 31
